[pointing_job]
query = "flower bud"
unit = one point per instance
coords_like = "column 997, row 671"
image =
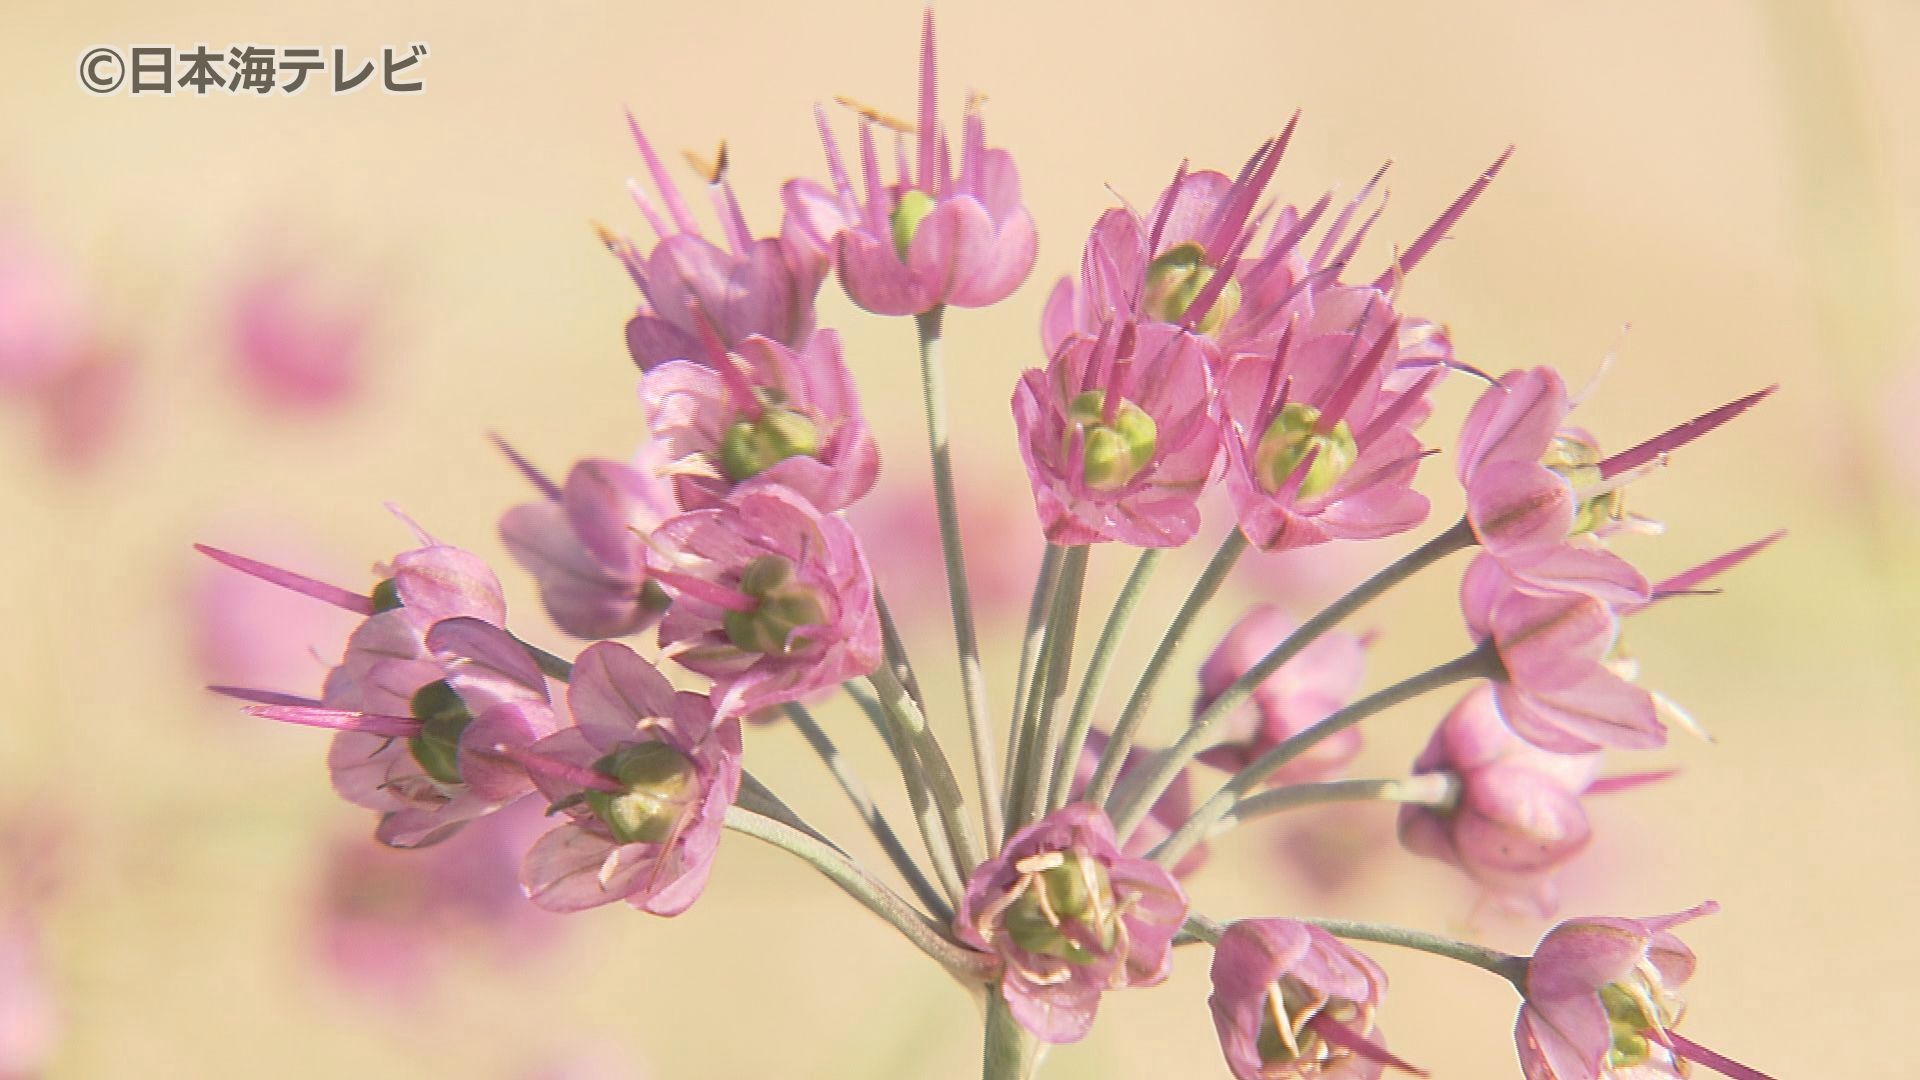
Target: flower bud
column 1114, row 454
column 913, row 208
column 1292, row 435
column 784, row 606
column 1176, row 278
column 660, row 788
column 443, row 719
column 751, row 447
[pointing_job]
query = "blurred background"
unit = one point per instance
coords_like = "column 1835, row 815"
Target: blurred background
column 273, row 315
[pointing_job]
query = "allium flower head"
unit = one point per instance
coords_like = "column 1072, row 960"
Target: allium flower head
column 1291, row 1000
column 772, row 598
column 1517, row 818
column 1600, row 1002
column 1071, row 917
column 1301, row 693
column 1117, row 436
column 583, row 544
column 763, row 411
column 936, row 235
column 644, row 776
column 690, row 286
column 293, row 347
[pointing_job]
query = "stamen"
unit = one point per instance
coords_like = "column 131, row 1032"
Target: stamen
column 929, row 114
column 534, row 476
column 566, row 772
column 1688, row 581
column 669, row 193
column 875, row 116
column 1438, row 230
column 396, row 727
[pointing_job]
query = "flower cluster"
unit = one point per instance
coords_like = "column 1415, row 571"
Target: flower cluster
column 1217, row 340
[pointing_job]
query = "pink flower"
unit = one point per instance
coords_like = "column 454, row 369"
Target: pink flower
column 937, row 236
column 1118, row 437
column 1532, row 481
column 585, row 545
column 772, row 599
column 1559, row 692
column 1319, row 435
column 1291, row 1000
column 1304, row 691
column 1600, row 1002
column 763, row 411
column 294, row 349
column 645, row 776
column 428, row 686
column 29, row 1018
column 1170, row 811
column 1517, row 818
column 689, row 286
column 1071, row 917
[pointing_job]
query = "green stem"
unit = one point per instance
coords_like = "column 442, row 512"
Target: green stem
column 968, row 965
column 1036, row 773
column 1032, row 658
column 896, row 650
column 1507, row 966
column 1426, row 789
column 913, row 774
column 1482, row 662
column 1155, row 775
column 1010, row 1052
column 973, row 681
column 869, row 812
column 1215, row 575
column 1095, row 679
column 910, row 728
column 760, row 799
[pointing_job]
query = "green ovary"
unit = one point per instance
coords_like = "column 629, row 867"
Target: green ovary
column 660, row 789
column 782, row 606
column 1077, row 891
column 1294, row 434
column 913, row 208
column 1579, row 461
column 443, row 719
column 752, row 446
column 1115, row 453
column 1176, row 278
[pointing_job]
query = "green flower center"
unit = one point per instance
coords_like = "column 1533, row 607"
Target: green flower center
column 1070, row 892
column 443, row 719
column 1294, row 434
column 783, row 606
column 1176, row 278
column 913, row 208
column 1635, row 1005
column 1285, row 1039
column 660, row 790
column 752, row 446
column 1115, row 453
column 1579, row 461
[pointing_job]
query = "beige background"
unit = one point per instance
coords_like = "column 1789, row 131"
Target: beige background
column 1737, row 181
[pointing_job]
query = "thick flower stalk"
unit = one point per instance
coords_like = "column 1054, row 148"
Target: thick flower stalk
column 690, row 286
column 644, row 776
column 762, row 412
column 1117, row 436
column 937, row 235
column 772, row 599
column 1070, row 917
column 1292, row 1001
column 1601, row 1003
